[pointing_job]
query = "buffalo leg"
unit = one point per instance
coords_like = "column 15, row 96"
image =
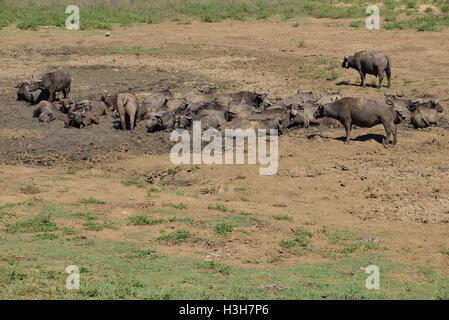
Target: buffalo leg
column 388, row 130
column 132, row 121
column 362, row 77
column 51, row 96
column 381, row 78
column 348, row 127
column 395, row 134
column 122, row 121
column 388, row 72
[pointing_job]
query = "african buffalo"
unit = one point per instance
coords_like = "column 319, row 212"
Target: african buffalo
column 369, row 62
column 361, row 112
column 128, row 108
column 53, row 82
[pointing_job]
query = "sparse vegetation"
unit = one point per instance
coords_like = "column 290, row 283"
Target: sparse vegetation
column 40, row 223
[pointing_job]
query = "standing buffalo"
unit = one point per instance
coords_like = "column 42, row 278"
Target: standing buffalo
column 367, row 62
column 361, row 112
column 128, row 108
column 53, row 82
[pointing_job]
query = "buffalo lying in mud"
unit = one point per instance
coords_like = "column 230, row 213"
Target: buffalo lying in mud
column 47, row 112
column 24, row 93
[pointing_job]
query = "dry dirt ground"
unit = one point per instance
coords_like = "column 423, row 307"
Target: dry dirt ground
column 398, row 195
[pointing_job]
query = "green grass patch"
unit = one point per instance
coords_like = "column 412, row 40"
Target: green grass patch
column 180, row 205
column 219, row 207
column 145, row 220
column 93, row 226
column 85, row 214
column 223, row 229
column 133, row 182
column 178, row 237
column 92, row 200
column 45, row 236
column 282, row 217
column 40, row 223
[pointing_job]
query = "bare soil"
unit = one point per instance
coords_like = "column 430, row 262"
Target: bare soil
column 399, row 195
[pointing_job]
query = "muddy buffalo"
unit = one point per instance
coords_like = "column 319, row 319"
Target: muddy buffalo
column 47, row 112
column 128, row 108
column 24, row 93
column 81, row 118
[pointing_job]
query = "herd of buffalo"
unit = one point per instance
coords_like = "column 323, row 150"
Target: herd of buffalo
column 221, row 110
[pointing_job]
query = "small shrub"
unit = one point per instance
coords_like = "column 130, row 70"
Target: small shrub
column 301, row 44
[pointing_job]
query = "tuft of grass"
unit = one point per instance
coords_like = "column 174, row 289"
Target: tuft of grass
column 183, row 220
column 301, row 239
column 153, row 190
column 93, row 226
column 223, row 229
column 301, row 44
column 282, row 217
column 29, row 189
column 144, row 220
column 142, row 253
column 69, row 231
column 133, row 182
column 46, row 236
column 180, row 205
column 219, row 207
column 178, row 237
column 40, row 223
column 88, row 215
column 92, row 200
column 217, row 267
